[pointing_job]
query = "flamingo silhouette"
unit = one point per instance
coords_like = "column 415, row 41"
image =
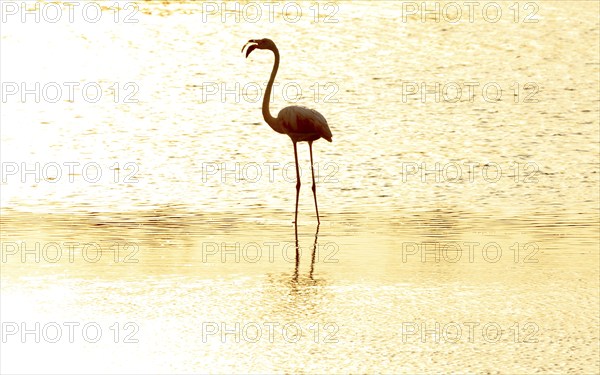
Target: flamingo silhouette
column 301, row 124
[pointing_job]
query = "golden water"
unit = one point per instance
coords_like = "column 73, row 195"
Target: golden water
column 396, row 248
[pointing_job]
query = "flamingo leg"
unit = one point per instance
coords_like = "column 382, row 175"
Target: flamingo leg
column 314, row 252
column 297, row 183
column 297, row 253
column 314, row 186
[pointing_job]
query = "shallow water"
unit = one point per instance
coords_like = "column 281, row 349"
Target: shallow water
column 204, row 238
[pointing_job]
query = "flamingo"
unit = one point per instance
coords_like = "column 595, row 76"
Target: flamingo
column 301, row 124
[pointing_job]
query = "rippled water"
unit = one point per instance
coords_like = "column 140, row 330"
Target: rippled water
column 515, row 235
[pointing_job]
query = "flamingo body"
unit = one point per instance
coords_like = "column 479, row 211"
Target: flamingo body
column 304, row 124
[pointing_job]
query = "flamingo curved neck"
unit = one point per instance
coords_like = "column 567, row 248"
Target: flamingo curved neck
column 265, row 107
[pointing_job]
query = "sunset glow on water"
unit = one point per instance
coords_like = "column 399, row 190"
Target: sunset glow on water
column 148, row 210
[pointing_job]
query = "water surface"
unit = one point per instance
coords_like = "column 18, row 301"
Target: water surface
column 393, row 248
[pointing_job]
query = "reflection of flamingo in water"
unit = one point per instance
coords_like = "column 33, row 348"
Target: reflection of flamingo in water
column 299, row 123
column 314, row 252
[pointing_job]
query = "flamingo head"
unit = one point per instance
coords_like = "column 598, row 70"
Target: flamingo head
column 260, row 44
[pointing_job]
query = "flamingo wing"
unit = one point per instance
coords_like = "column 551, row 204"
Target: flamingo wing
column 304, row 121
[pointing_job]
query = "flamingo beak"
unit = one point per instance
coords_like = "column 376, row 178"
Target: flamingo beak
column 251, row 48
